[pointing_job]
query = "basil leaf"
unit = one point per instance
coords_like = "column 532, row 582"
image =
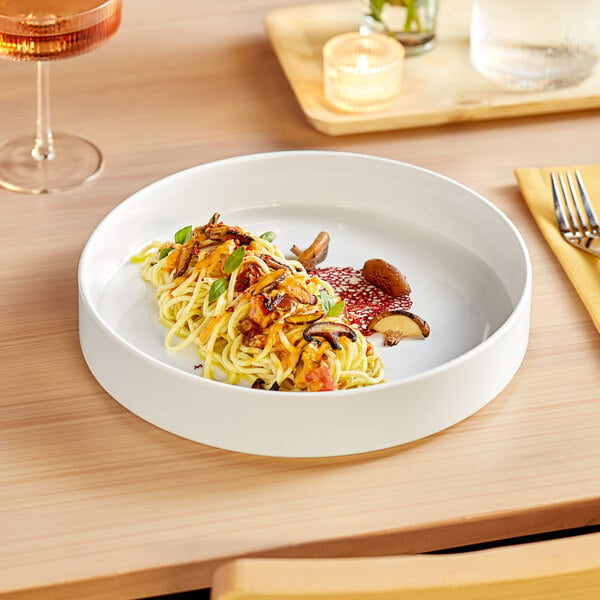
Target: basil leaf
column 183, row 235
column 268, row 235
column 165, row 252
column 337, row 309
column 326, row 301
column 218, row 288
column 234, row 260
column 331, row 308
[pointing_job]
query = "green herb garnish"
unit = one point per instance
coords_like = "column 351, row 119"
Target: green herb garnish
column 183, row 235
column 218, row 288
column 331, row 308
column 165, row 252
column 234, row 260
column 269, row 236
column 337, row 309
column 326, row 301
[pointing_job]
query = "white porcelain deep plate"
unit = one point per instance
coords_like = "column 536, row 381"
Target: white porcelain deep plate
column 466, row 263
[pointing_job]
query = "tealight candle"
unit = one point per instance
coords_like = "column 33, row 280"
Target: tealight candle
column 362, row 73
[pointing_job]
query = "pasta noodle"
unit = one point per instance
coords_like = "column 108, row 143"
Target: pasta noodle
column 253, row 315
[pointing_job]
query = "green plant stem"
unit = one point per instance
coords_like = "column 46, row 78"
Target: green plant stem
column 412, row 15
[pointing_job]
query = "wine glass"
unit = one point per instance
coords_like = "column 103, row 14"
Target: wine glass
column 44, row 30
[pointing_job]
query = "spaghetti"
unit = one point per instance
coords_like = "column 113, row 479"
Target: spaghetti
column 253, row 315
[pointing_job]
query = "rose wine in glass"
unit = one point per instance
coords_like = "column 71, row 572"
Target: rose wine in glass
column 40, row 31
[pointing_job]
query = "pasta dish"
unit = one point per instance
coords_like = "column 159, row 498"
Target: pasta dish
column 254, row 316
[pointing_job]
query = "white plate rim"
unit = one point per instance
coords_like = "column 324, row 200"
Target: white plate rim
column 88, row 307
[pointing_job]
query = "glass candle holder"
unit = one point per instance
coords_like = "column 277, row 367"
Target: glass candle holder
column 362, row 73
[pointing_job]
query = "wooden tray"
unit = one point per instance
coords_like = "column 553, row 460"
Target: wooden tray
column 438, row 87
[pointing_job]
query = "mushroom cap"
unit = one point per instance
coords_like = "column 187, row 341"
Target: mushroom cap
column 330, row 331
column 386, row 277
column 398, row 324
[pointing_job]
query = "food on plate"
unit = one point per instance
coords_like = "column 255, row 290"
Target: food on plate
column 370, row 308
column 386, row 277
column 254, row 315
column 316, row 253
column 363, row 300
column 399, row 324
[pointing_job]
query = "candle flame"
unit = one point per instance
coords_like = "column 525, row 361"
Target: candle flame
column 362, row 63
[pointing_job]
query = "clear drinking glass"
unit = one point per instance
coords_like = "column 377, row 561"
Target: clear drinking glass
column 535, row 44
column 41, row 31
column 411, row 22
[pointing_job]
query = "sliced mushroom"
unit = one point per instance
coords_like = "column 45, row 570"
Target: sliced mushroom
column 329, row 331
column 399, row 324
column 268, row 282
column 222, row 233
column 304, row 318
column 185, row 257
column 272, row 302
column 213, row 220
column 386, row 277
column 315, row 253
column 296, row 291
column 273, row 263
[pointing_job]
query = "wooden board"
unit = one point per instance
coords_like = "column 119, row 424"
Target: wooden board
column 438, row 87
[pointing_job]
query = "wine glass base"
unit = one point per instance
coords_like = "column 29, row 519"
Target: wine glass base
column 74, row 162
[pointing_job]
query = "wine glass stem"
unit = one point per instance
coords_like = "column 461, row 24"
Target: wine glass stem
column 44, row 140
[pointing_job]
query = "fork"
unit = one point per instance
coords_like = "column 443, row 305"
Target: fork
column 575, row 216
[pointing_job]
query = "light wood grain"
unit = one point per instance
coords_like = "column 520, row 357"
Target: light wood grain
column 565, row 569
column 439, row 86
column 96, row 503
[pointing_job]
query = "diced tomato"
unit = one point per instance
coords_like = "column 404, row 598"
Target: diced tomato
column 248, row 275
column 319, row 379
column 258, row 313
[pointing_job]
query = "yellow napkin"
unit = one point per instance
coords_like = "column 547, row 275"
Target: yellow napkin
column 582, row 268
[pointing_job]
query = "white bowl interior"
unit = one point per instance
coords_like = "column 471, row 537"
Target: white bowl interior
column 467, row 265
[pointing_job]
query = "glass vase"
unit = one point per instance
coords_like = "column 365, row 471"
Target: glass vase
column 411, row 22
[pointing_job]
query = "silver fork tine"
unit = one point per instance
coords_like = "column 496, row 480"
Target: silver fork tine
column 587, row 205
column 579, row 225
column 563, row 199
column 575, row 216
column 571, row 219
column 558, row 208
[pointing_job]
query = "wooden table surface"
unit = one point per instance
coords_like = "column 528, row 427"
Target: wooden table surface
column 95, row 502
